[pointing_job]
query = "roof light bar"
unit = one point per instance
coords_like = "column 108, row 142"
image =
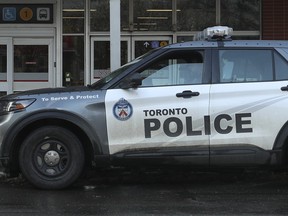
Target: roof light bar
column 215, row 33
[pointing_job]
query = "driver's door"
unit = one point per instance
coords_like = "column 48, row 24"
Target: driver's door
column 167, row 114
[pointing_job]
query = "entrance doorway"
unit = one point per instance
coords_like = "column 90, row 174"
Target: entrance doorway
column 26, row 63
column 131, row 48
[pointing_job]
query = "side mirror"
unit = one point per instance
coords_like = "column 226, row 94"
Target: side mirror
column 131, row 82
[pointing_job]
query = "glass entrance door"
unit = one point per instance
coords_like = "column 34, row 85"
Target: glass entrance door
column 100, row 56
column 6, row 56
column 33, row 63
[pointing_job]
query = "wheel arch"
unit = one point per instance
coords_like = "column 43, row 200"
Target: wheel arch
column 23, row 127
column 281, row 144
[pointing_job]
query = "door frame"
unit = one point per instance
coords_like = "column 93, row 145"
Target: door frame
column 8, row 36
column 6, row 86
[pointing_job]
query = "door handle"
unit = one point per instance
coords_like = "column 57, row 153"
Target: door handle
column 284, row 88
column 187, row 94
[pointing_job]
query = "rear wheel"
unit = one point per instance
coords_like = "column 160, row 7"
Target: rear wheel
column 51, row 157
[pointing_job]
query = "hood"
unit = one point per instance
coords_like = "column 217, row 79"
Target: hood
column 47, row 91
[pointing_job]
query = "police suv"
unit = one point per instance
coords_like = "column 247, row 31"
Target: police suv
column 215, row 102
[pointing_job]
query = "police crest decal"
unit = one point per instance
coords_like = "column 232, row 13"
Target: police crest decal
column 122, row 110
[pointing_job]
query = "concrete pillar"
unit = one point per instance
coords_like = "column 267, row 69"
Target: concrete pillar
column 115, row 34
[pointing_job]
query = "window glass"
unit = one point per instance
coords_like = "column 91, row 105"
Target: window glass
column 31, row 62
column 195, row 15
column 102, row 57
column 3, row 62
column 153, row 15
column 73, row 60
column 245, row 65
column 100, row 83
column 281, row 67
column 177, row 68
column 241, row 14
column 184, row 38
column 73, row 16
column 99, row 15
column 125, row 15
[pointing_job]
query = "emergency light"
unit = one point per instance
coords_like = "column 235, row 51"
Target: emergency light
column 215, row 33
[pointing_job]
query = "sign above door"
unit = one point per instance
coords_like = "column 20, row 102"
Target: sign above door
column 26, row 13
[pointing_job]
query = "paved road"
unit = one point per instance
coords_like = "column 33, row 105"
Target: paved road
column 153, row 192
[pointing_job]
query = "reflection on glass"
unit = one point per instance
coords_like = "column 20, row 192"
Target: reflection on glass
column 102, row 57
column 153, row 15
column 73, row 60
column 182, row 67
column 195, row 15
column 241, row 14
column 3, row 62
column 73, row 16
column 125, row 15
column 245, row 66
column 280, row 67
column 99, row 14
column 31, row 62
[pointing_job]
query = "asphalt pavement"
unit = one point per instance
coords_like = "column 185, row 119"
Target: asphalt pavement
column 153, row 192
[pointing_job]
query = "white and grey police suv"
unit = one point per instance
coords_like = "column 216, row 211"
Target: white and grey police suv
column 215, row 102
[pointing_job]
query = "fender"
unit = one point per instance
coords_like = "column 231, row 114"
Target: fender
column 98, row 143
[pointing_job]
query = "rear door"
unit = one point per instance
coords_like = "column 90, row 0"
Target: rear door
column 248, row 107
column 167, row 114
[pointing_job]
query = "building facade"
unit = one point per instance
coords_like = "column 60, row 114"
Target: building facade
column 55, row 43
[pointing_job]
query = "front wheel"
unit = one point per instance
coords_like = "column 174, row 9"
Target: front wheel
column 51, row 157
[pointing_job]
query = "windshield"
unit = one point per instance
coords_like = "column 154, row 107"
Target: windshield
column 100, row 83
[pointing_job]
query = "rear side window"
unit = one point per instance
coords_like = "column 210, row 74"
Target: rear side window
column 281, row 67
column 245, row 65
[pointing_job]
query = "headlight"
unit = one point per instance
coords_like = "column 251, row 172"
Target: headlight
column 7, row 106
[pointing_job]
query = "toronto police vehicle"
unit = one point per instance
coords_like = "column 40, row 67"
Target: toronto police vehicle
column 214, row 102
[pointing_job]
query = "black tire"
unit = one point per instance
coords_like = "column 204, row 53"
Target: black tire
column 51, row 157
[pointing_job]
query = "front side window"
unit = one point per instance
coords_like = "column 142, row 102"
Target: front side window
column 245, row 65
column 177, row 68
